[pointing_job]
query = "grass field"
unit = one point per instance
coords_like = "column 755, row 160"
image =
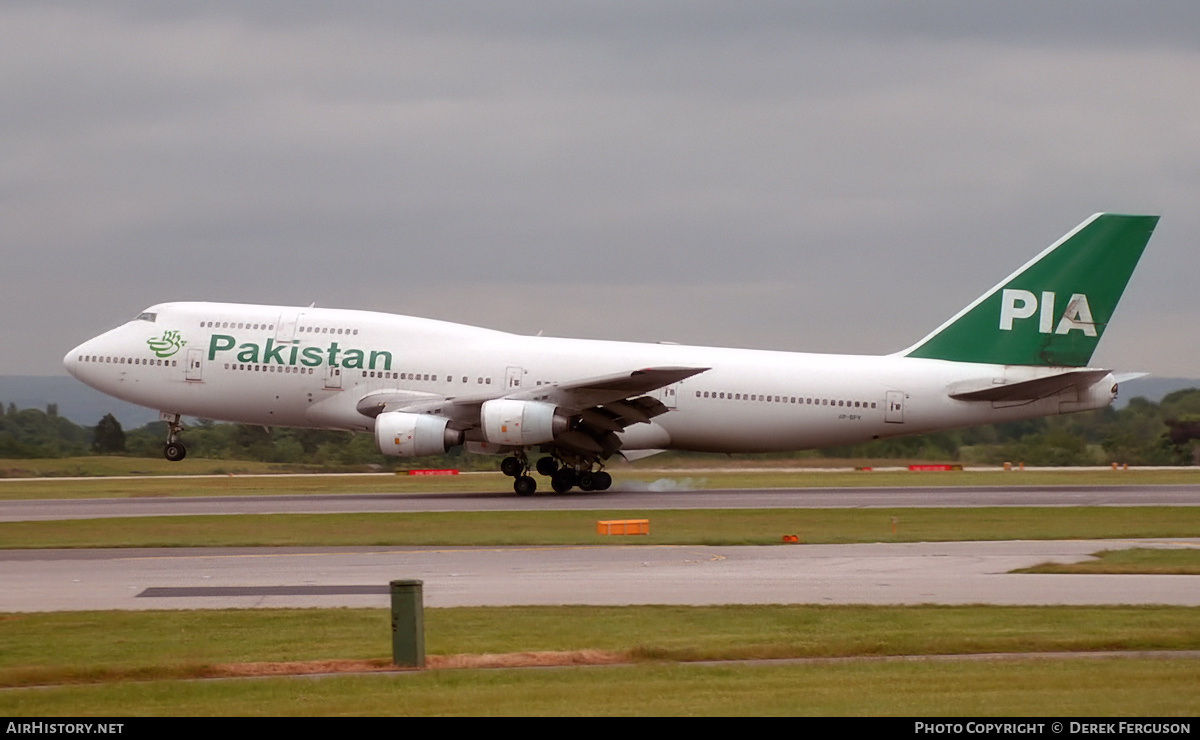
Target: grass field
column 106, row 465
column 667, row 527
column 1029, row 688
column 68, row 647
column 1178, row 562
column 133, row 663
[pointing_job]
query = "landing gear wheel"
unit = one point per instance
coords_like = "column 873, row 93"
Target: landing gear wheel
column 562, row 480
column 511, row 466
column 174, row 451
column 587, row 482
column 524, row 485
column 547, row 466
column 601, row 481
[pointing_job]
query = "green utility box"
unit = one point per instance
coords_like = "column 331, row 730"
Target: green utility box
column 408, row 624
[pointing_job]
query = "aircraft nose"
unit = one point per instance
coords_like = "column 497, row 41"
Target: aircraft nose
column 71, row 361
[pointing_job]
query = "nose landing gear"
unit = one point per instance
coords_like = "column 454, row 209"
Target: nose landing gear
column 174, row 449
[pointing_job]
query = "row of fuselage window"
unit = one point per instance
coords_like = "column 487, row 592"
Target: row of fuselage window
column 127, row 360
column 365, row 373
column 786, row 399
column 269, row 368
column 274, row 368
column 419, row 376
column 235, row 325
column 271, row 327
column 479, row 381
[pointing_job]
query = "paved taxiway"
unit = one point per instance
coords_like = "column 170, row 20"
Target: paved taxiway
column 676, row 496
column 912, row 573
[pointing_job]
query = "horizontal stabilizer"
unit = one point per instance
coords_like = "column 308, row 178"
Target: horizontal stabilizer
column 1126, row 377
column 1026, row 390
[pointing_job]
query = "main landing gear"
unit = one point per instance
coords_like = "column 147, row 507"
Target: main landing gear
column 174, row 449
column 562, row 479
column 566, row 478
column 517, row 467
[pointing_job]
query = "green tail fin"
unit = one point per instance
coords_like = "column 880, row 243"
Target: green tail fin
column 1053, row 310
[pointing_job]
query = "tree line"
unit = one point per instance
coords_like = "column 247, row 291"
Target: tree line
column 1141, row 433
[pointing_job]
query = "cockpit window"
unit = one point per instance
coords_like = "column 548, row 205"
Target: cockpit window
column 147, row 316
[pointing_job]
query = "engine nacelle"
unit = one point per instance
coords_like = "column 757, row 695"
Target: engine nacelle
column 521, row 423
column 403, row 434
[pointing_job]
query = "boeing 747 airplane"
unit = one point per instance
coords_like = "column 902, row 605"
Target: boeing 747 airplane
column 421, row 387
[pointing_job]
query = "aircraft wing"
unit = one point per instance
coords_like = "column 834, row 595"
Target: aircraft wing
column 600, row 406
column 577, row 395
column 604, row 405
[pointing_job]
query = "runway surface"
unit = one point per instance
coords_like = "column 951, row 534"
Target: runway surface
column 674, row 496
column 913, row 573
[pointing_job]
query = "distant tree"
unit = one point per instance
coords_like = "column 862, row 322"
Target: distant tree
column 1182, row 435
column 52, row 410
column 1184, row 430
column 251, row 442
column 109, row 437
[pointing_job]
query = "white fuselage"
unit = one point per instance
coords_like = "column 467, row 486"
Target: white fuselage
column 310, row 367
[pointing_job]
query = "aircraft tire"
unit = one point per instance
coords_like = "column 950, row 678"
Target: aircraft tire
column 562, row 480
column 174, row 451
column 547, row 466
column 587, row 482
column 511, row 467
column 602, row 481
column 524, row 485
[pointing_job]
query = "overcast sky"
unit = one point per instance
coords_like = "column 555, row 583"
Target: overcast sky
column 826, row 177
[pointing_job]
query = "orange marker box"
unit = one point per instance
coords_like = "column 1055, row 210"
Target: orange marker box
column 623, row 526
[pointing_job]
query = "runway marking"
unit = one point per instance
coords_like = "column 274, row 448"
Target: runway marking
column 1163, row 544
column 438, row 551
column 202, row 591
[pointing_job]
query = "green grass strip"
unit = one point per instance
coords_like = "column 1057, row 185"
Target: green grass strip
column 99, row 647
column 1181, row 561
column 667, row 527
column 1161, row 689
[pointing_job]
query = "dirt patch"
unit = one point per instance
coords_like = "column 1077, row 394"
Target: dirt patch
column 296, row 668
column 487, row 660
column 526, row 660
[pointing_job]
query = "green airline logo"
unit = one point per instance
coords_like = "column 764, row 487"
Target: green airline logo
column 1021, row 304
column 1053, row 311
column 166, row 345
column 292, row 353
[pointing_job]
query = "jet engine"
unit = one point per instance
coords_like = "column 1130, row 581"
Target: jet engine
column 522, row 423
column 412, row 435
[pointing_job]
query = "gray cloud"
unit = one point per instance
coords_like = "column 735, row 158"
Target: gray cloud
column 830, row 177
